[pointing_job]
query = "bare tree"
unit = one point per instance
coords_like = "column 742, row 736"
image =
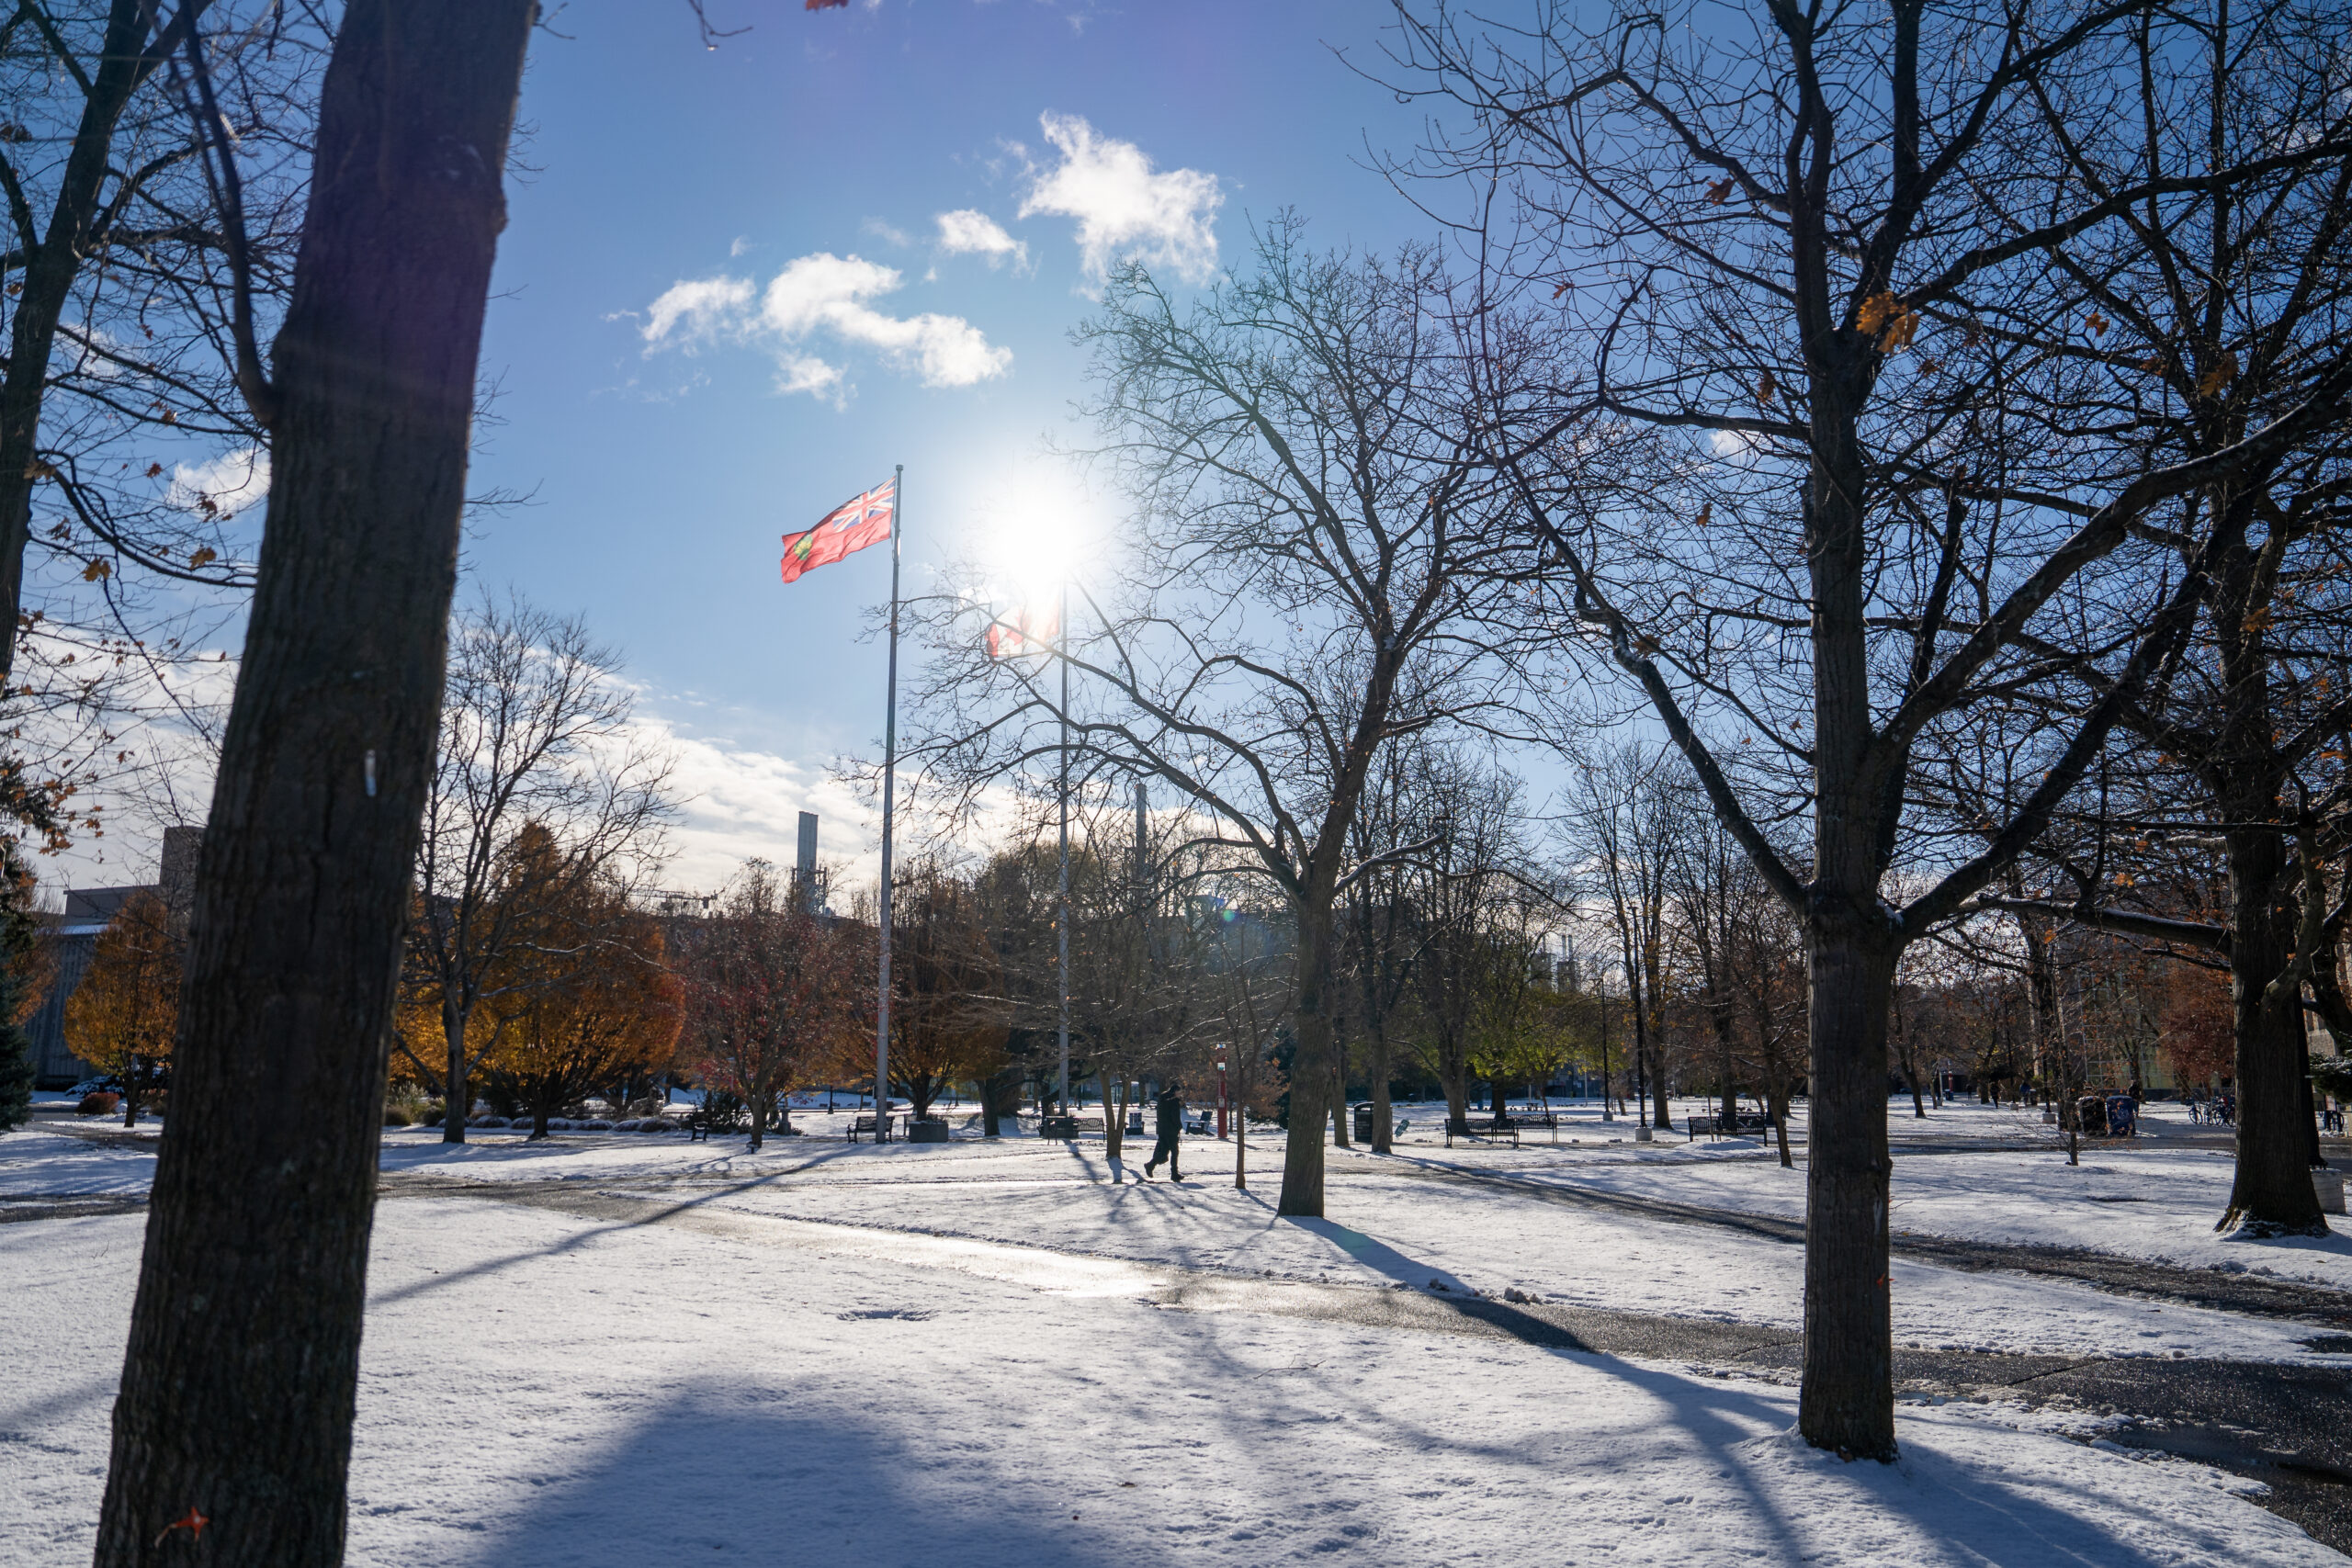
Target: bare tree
column 1304, row 581
column 1630, row 820
column 241, row 1370
column 1818, row 268
column 540, row 792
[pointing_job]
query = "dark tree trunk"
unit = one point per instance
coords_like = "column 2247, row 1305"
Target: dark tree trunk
column 1457, row 1102
column 1847, row 1401
column 1310, row 1066
column 2272, row 1194
column 458, row 1102
column 238, row 1387
column 1113, row 1128
column 1340, row 1134
column 1383, row 1112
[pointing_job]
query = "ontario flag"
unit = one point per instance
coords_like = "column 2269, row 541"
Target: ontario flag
column 1029, row 629
column 853, row 525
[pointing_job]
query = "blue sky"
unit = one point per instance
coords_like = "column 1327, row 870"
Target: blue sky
column 662, row 472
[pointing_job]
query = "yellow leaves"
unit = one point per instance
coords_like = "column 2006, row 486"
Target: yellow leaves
column 1887, row 319
column 2218, row 375
column 1718, row 191
column 2257, row 623
column 204, row 557
column 2124, row 879
column 97, row 572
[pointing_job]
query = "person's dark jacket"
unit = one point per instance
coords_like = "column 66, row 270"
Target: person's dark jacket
column 1172, row 1115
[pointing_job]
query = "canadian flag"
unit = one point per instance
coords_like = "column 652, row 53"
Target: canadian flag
column 1030, row 629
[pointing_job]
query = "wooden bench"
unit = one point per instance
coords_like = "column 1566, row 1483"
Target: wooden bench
column 875, row 1128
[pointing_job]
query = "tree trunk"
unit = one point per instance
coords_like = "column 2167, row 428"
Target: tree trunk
column 1382, row 1112
column 1457, row 1102
column 1311, row 1066
column 458, row 1102
column 1342, row 1134
column 1113, row 1129
column 238, row 1387
column 2272, row 1194
column 1847, row 1400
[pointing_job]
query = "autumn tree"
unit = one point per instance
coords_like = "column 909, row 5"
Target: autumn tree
column 122, row 1016
column 541, row 798
column 589, row 996
column 947, row 1010
column 775, row 992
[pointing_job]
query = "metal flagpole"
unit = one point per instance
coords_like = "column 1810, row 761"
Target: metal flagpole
column 1061, row 919
column 889, row 788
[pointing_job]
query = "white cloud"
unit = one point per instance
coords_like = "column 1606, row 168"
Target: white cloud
column 230, row 482
column 969, row 231
column 697, row 311
column 825, row 294
column 1123, row 208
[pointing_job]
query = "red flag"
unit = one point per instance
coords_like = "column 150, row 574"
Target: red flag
column 853, row 525
column 1026, row 630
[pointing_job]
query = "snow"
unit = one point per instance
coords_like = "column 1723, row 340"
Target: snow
column 1413, row 1217
column 541, row 1388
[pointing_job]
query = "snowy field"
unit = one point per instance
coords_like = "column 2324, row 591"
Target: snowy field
column 543, row 1389
column 836, row 1352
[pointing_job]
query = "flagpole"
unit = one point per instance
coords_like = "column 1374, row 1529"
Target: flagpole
column 889, row 786
column 1061, row 919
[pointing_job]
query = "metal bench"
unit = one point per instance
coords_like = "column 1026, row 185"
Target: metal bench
column 875, row 1128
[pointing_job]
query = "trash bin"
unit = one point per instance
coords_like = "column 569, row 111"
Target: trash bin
column 2090, row 1115
column 929, row 1130
column 1364, row 1122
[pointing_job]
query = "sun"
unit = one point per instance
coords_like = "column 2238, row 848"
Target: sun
column 1039, row 529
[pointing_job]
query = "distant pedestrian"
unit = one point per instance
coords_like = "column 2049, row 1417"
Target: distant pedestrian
column 1170, row 1107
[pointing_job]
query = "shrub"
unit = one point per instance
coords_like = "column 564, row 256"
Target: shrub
column 97, row 1102
column 397, row 1115
column 627, row 1125
column 595, row 1125
column 657, row 1125
column 486, row 1122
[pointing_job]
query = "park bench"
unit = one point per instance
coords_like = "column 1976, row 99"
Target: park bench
column 1493, row 1129
column 1741, row 1121
column 877, row 1129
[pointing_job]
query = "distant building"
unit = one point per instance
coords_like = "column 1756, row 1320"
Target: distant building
column 75, row 932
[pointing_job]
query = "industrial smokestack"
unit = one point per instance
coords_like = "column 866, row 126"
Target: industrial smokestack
column 804, row 868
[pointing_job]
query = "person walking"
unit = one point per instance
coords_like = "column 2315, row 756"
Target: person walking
column 1171, row 1127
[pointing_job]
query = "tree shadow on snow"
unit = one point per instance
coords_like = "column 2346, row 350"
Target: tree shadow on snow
column 765, row 1475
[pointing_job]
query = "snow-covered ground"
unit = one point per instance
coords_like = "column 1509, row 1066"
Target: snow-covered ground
column 541, row 1388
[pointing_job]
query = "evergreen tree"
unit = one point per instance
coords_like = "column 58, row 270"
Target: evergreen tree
column 16, row 934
